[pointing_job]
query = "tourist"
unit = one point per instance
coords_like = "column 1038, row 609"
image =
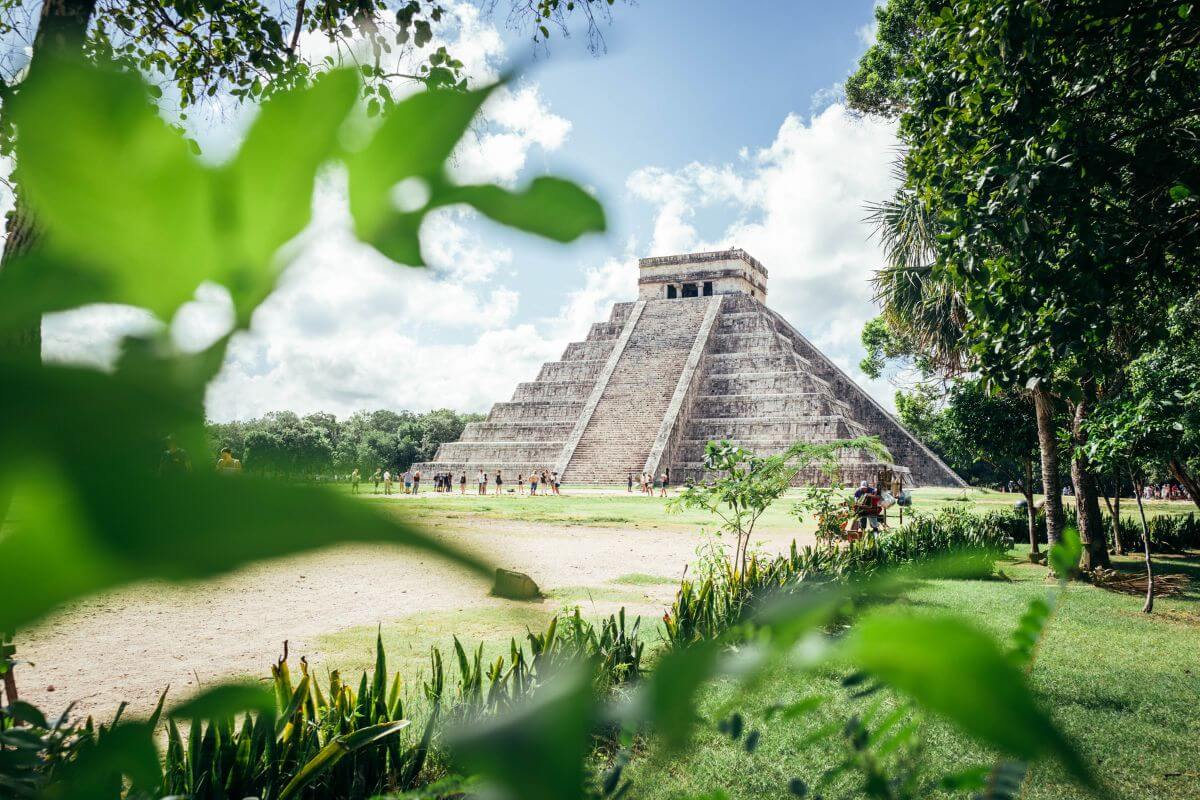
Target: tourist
column 387, row 481
column 408, row 476
column 499, row 483
column 629, row 483
column 867, row 506
column 174, row 461
column 416, row 481
column 227, row 464
column 533, row 482
column 554, row 481
column 666, row 481
column 521, row 483
column 376, row 477
column 481, row 480
column 354, row 476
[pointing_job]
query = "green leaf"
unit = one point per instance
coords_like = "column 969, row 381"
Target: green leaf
column 535, row 752
column 126, row 750
column 340, row 747
column 669, row 696
column 956, row 670
column 414, row 140
column 116, row 189
column 94, row 513
column 225, row 700
column 1064, row 556
column 271, row 179
column 27, row 713
column 550, row 207
column 1180, row 192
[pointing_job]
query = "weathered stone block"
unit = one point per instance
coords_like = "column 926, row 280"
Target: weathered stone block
column 515, row 585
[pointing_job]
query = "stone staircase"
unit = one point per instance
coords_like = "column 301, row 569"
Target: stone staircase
column 623, row 426
column 528, row 432
column 759, row 393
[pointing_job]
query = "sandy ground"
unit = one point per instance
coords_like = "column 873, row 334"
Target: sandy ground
column 129, row 645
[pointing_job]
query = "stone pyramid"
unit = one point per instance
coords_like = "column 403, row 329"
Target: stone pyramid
column 697, row 357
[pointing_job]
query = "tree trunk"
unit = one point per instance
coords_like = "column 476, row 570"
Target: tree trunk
column 1087, row 503
column 61, row 31
column 1114, row 513
column 1148, row 608
column 1030, row 511
column 1043, row 404
column 1186, row 479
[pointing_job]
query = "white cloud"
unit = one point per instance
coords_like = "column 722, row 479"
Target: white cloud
column 867, row 34
column 798, row 206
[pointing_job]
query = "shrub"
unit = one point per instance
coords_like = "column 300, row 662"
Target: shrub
column 707, row 607
column 1168, row 533
column 338, row 739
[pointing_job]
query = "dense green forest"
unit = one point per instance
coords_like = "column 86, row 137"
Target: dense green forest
column 284, row 443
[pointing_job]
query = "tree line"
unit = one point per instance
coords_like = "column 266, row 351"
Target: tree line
column 285, row 444
column 1043, row 243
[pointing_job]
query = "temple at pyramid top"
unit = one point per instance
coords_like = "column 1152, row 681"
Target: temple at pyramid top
column 696, row 357
column 702, row 275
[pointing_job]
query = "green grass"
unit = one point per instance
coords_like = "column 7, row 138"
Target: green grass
column 620, row 510
column 642, row 579
column 1124, row 685
column 408, row 639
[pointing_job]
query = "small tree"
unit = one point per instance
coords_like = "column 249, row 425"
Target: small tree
column 746, row 485
column 1122, row 438
column 999, row 430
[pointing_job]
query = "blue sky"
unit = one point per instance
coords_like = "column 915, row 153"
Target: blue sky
column 681, row 81
column 704, row 124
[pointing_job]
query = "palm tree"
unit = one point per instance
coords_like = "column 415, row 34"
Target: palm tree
column 920, row 305
column 923, row 307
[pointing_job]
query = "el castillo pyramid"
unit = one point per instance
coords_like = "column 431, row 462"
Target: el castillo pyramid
column 697, row 357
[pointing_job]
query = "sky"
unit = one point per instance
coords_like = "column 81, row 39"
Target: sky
column 700, row 124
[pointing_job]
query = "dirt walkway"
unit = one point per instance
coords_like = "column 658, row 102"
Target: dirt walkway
column 129, row 645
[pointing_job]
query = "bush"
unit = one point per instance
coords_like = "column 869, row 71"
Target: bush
column 707, row 607
column 1168, row 533
column 340, row 739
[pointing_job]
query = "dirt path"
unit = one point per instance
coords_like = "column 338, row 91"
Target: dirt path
column 129, row 645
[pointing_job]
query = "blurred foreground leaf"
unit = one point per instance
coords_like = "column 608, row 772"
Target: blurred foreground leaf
column 125, row 751
column 226, row 700
column 116, row 189
column 552, row 207
column 94, row 512
column 669, row 696
column 410, row 150
column 1064, row 555
column 133, row 213
column 958, row 671
column 536, row 752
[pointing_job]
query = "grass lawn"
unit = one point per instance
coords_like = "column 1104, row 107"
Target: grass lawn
column 591, row 508
column 408, row 640
column 1126, row 686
